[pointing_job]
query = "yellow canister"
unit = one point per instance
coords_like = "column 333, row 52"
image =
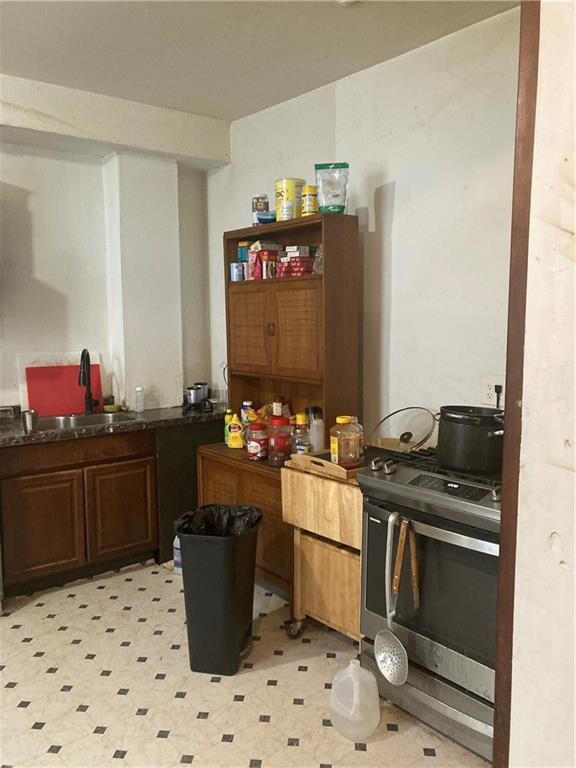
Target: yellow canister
column 288, row 193
column 309, row 200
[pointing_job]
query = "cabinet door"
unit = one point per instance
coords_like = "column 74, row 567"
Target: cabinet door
column 274, row 549
column 323, row 506
column 329, row 584
column 249, row 332
column 42, row 525
column 295, row 311
column 121, row 514
column 217, row 482
column 221, row 483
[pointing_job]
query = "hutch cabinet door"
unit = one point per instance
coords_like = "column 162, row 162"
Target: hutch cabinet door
column 248, row 331
column 274, row 548
column 121, row 514
column 221, row 482
column 297, row 325
column 217, row 482
column 42, row 524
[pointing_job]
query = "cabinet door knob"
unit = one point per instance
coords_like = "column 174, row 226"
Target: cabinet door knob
column 270, row 329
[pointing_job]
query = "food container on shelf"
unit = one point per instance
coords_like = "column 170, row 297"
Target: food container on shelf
column 279, row 440
column 288, row 193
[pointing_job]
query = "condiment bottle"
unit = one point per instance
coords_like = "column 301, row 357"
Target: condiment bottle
column 257, row 442
column 279, row 443
column 235, row 439
column 278, row 405
column 301, row 442
column 345, row 442
column 227, row 420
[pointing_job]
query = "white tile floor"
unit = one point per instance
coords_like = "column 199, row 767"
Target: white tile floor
column 96, row 674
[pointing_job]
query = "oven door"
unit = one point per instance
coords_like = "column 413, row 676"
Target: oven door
column 453, row 631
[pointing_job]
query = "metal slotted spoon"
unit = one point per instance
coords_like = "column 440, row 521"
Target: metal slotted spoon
column 389, row 652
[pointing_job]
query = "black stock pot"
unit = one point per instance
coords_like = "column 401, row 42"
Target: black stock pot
column 470, row 439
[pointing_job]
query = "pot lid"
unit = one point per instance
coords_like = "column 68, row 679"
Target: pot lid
column 403, row 430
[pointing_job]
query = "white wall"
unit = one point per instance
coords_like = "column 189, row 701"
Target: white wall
column 542, row 716
column 52, row 250
column 194, row 275
column 430, row 140
column 91, row 254
column 143, row 198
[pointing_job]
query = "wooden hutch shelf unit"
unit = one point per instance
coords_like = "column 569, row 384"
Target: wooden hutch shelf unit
column 296, row 336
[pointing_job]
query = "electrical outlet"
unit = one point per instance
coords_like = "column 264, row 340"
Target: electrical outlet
column 488, row 391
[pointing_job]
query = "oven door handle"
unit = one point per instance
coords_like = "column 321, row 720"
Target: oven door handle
column 450, row 537
column 388, row 567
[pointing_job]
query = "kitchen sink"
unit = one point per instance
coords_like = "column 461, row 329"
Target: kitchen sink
column 81, row 420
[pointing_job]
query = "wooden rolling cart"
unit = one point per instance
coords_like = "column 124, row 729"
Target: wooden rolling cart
column 324, row 504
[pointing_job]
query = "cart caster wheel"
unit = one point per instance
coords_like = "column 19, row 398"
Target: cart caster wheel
column 295, row 629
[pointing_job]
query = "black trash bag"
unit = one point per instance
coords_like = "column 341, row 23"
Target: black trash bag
column 218, row 520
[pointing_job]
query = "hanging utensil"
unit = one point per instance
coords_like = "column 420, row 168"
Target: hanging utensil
column 398, row 567
column 389, row 652
column 414, row 567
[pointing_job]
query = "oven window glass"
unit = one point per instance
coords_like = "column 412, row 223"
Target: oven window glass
column 458, row 589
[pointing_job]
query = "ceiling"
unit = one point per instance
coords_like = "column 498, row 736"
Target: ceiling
column 219, row 59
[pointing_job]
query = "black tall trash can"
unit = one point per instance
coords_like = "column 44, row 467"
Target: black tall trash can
column 218, row 545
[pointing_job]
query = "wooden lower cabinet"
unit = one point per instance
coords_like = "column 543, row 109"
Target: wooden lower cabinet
column 120, row 509
column 329, row 581
column 226, row 476
column 42, row 524
column 67, row 507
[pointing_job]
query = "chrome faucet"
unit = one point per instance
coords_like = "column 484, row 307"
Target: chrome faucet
column 84, row 381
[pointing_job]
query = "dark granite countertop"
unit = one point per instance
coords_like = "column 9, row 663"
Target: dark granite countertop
column 11, row 432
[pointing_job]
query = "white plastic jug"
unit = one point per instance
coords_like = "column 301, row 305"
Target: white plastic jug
column 354, row 702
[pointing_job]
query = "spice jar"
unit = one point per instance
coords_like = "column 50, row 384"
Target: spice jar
column 257, row 442
column 309, row 200
column 279, row 440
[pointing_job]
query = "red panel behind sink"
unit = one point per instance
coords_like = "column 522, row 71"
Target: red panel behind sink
column 53, row 390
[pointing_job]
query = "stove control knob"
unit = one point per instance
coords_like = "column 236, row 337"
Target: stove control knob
column 496, row 494
column 376, row 464
column 389, row 467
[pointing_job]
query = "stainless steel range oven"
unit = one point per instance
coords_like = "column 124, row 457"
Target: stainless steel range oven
column 449, row 632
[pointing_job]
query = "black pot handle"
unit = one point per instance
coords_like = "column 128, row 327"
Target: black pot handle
column 466, row 417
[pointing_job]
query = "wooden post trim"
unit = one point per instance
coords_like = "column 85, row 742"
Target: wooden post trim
column 522, row 189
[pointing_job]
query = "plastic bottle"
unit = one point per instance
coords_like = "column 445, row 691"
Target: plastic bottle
column 354, row 702
column 345, row 442
column 227, row 420
column 177, row 555
column 245, row 408
column 139, row 400
column 362, row 444
column 301, row 442
column 317, row 435
column 234, row 438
